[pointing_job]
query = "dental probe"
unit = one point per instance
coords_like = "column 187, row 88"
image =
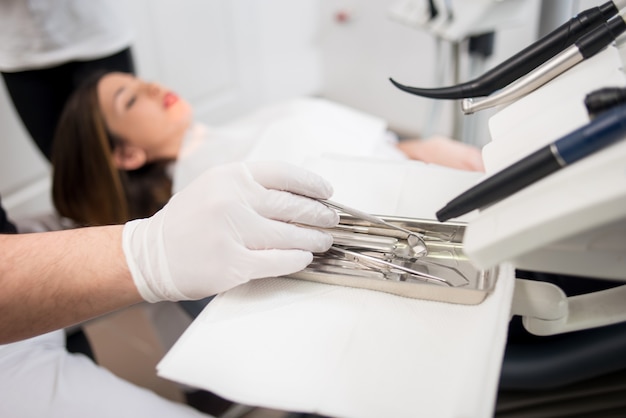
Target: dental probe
column 586, row 47
column 526, row 60
column 415, row 241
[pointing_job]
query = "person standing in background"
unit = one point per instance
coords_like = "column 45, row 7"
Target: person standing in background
column 47, row 47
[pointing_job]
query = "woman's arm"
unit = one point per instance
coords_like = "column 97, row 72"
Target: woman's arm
column 55, row 279
column 443, row 151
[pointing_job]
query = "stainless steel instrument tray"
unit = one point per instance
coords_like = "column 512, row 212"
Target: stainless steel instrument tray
column 461, row 282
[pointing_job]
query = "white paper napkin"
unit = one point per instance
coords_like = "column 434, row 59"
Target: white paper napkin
column 302, row 346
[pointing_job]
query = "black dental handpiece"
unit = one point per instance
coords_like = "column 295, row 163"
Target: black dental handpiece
column 526, row 60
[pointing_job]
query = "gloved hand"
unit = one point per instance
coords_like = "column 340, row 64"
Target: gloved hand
column 231, row 225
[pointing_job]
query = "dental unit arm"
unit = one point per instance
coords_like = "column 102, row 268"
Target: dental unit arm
column 526, row 60
column 587, row 46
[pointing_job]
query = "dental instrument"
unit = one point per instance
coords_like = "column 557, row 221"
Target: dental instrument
column 386, row 266
column 526, row 60
column 378, row 243
column 606, row 129
column 415, row 240
column 586, row 47
column 368, row 256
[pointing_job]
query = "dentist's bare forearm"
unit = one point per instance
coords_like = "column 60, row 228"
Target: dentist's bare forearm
column 52, row 280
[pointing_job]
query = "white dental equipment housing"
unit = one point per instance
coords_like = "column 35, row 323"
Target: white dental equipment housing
column 456, row 21
column 572, row 222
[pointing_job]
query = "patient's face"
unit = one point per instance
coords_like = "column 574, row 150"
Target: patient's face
column 144, row 114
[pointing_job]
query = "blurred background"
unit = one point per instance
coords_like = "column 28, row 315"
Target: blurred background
column 228, row 57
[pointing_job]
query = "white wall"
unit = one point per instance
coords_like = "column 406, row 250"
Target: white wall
column 230, row 56
column 361, row 54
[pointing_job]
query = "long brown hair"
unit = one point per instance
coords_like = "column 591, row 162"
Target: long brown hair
column 86, row 186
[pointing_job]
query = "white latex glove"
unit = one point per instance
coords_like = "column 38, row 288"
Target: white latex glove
column 231, row 225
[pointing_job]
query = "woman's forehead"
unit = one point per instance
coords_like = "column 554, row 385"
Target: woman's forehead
column 110, row 88
column 110, row 84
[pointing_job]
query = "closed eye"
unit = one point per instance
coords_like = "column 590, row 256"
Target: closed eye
column 131, row 102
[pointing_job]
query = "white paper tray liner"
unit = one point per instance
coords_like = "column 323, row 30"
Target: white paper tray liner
column 343, row 352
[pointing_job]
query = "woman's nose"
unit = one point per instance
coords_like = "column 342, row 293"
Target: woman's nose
column 152, row 89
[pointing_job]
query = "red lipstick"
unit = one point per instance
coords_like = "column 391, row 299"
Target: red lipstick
column 169, row 99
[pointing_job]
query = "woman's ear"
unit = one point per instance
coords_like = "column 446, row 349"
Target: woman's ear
column 129, row 157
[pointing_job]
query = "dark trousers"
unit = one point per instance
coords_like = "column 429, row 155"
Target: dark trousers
column 40, row 95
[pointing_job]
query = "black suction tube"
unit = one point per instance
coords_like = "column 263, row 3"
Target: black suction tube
column 523, row 62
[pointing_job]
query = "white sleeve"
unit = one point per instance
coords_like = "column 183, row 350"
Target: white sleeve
column 40, row 378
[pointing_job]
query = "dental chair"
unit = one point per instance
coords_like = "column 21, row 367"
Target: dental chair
column 576, row 373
